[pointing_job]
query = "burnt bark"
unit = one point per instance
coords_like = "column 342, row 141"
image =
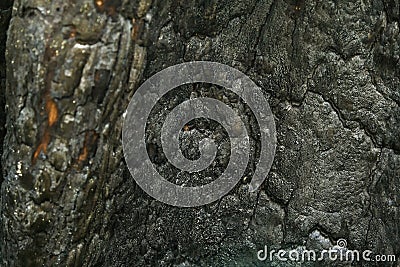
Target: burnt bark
column 5, row 16
column 331, row 74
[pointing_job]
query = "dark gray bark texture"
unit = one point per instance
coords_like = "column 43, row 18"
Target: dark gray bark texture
column 330, row 70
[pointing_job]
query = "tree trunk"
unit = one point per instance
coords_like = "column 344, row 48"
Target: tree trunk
column 329, row 69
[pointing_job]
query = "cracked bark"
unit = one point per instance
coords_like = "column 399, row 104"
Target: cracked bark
column 329, row 69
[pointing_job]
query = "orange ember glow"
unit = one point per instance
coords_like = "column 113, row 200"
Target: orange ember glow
column 83, row 155
column 42, row 146
column 52, row 115
column 99, row 3
column 88, row 144
column 52, row 112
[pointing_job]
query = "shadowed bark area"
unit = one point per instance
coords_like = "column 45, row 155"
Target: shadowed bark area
column 329, row 69
column 5, row 16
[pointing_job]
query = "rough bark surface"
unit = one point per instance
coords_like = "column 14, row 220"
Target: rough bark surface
column 330, row 70
column 5, row 16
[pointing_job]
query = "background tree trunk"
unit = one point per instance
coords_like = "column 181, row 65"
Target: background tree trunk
column 330, row 71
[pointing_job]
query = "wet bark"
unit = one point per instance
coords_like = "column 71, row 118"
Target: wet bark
column 331, row 74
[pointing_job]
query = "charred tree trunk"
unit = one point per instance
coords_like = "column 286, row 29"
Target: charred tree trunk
column 330, row 70
column 70, row 73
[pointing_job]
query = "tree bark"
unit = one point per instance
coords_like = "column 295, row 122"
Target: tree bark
column 329, row 69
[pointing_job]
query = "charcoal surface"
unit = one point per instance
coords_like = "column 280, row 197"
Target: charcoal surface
column 329, row 69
